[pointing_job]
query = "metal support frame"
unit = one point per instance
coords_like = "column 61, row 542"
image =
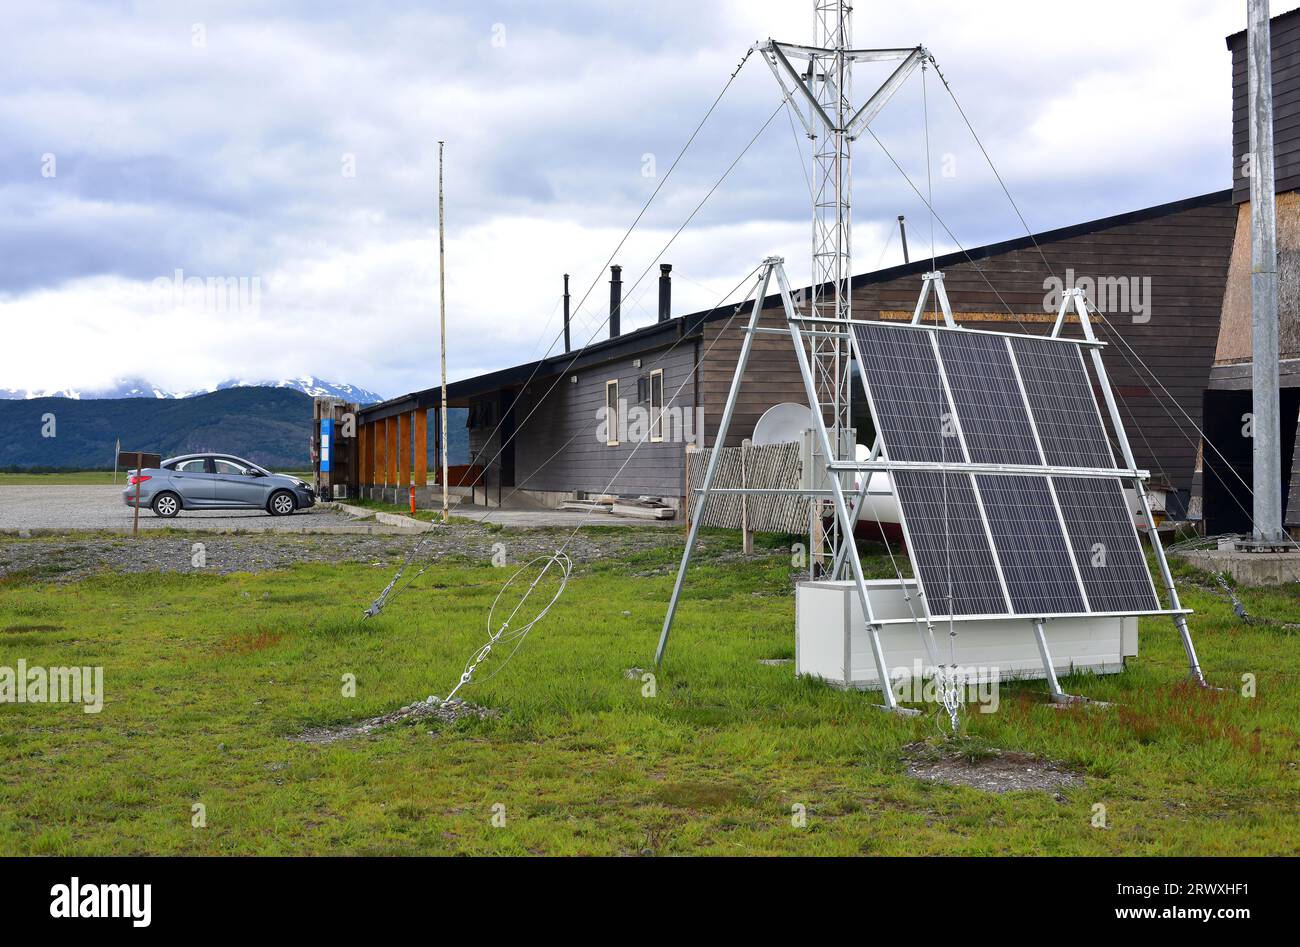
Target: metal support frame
column 773, row 266
column 1075, row 296
column 719, row 441
column 847, row 557
column 933, row 282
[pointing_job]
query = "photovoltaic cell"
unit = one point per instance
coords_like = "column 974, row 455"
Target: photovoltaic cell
column 1063, row 406
column 955, row 555
column 1030, row 545
column 949, row 546
column 987, row 397
column 1105, row 545
column 912, row 410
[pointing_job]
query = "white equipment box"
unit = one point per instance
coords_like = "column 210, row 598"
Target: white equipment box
column 831, row 639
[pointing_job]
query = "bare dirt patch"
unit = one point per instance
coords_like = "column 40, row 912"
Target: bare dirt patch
column 432, row 708
column 991, row 770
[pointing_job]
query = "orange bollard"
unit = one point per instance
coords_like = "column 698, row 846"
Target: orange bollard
column 412, row 500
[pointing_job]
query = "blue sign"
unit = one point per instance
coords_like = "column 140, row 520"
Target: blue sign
column 326, row 439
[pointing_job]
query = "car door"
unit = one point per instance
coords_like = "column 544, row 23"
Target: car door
column 193, row 481
column 237, row 485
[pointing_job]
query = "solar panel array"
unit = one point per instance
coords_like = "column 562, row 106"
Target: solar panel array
column 1005, row 543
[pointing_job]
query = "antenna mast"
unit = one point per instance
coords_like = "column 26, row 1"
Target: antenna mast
column 442, row 322
column 821, row 93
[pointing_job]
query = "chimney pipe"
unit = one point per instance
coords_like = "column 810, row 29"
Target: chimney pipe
column 665, row 292
column 566, row 313
column 615, row 298
column 902, row 232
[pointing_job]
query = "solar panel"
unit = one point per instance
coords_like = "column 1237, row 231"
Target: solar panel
column 912, row 412
column 1032, row 549
column 985, row 543
column 948, row 544
column 1061, row 399
column 987, row 397
column 1111, row 563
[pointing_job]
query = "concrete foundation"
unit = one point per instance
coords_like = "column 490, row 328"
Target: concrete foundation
column 1247, row 568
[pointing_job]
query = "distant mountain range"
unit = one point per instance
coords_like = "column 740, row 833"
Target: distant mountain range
column 142, row 388
column 271, row 426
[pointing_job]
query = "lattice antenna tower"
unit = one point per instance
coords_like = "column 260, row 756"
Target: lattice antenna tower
column 820, row 89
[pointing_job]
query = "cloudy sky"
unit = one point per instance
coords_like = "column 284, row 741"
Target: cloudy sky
column 294, row 146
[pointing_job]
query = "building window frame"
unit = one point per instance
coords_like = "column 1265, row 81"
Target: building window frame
column 657, row 406
column 611, row 413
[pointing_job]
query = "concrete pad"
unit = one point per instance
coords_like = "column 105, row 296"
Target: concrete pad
column 1247, row 568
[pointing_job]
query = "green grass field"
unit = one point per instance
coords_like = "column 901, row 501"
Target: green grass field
column 208, row 677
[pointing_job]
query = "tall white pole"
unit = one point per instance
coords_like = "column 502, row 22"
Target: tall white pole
column 442, row 318
column 1266, row 423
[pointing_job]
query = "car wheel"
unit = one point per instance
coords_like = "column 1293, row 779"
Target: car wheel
column 281, row 503
column 166, row 505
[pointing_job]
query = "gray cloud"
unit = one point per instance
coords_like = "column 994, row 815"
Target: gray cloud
column 227, row 158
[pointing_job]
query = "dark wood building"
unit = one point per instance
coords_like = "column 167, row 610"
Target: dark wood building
column 1159, row 275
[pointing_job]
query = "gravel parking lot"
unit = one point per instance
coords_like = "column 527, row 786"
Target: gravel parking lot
column 62, row 507
column 62, row 533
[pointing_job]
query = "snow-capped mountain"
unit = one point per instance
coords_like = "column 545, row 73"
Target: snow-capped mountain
column 141, row 388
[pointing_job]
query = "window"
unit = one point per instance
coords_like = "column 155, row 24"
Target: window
column 643, row 388
column 657, row 405
column 611, row 413
column 194, row 465
column 225, row 467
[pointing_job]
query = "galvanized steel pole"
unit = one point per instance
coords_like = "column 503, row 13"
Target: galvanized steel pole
column 1265, row 423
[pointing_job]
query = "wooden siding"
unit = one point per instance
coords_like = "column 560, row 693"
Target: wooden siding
column 771, row 377
column 1285, row 44
column 1184, row 253
column 558, row 448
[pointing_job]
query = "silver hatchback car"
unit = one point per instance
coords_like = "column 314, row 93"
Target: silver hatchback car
column 215, row 482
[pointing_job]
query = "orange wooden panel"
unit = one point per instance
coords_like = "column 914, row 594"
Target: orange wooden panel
column 421, row 423
column 404, row 450
column 390, row 452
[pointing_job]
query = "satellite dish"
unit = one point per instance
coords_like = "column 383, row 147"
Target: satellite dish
column 782, row 423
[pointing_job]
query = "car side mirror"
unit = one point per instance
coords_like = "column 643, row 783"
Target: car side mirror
column 251, row 473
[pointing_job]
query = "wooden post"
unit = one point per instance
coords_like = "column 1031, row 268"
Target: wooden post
column 817, row 531
column 390, row 452
column 746, row 534
column 372, row 453
column 135, row 522
column 365, row 466
column 381, row 453
column 404, row 451
column 687, row 498
column 421, row 422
